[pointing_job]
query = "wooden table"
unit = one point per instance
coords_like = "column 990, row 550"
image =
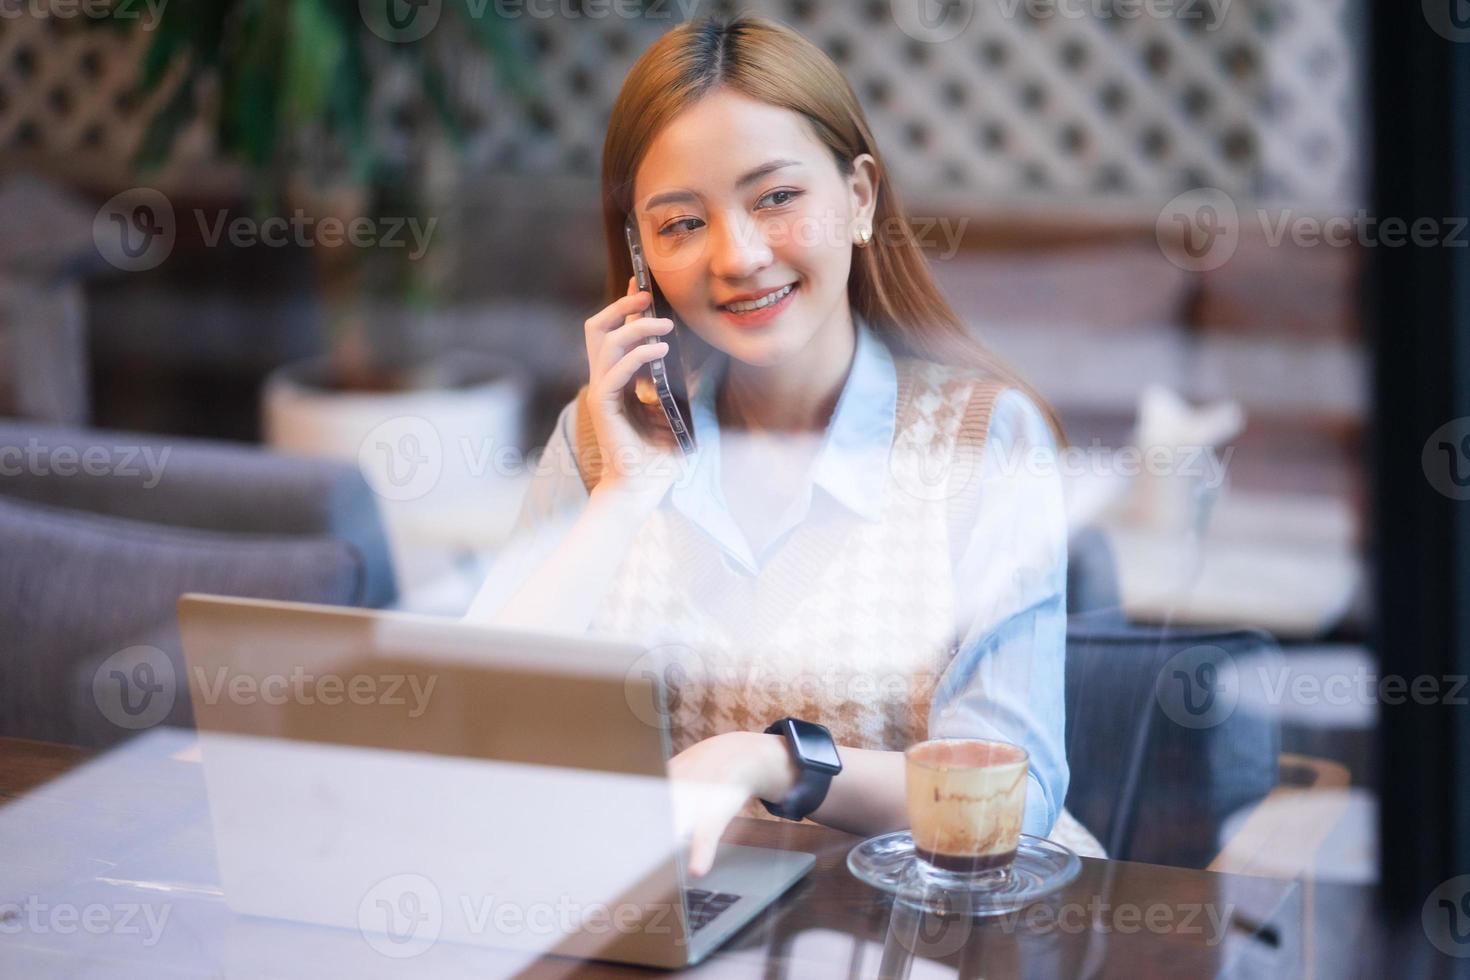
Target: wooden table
column 25, row 764
column 1116, row 919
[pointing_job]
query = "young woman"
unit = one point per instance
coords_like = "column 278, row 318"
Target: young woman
column 867, row 536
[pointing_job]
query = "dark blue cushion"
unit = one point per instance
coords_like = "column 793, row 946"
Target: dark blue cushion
column 1161, row 751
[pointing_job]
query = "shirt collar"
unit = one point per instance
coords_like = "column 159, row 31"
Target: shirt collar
column 851, row 465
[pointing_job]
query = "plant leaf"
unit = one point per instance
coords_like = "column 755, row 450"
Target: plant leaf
column 509, row 52
column 171, row 118
column 314, row 52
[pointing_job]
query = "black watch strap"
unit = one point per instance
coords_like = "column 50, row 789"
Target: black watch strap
column 812, row 783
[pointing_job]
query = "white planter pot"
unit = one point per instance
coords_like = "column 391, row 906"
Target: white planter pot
column 445, row 457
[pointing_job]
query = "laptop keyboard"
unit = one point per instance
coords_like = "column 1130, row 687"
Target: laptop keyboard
column 705, row 905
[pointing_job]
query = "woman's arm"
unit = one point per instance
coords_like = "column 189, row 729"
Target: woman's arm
column 1007, row 680
column 866, row 798
column 1010, row 686
column 565, row 570
column 566, row 545
column 564, row 590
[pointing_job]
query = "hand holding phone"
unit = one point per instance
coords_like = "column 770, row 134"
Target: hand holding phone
column 621, row 340
column 664, row 380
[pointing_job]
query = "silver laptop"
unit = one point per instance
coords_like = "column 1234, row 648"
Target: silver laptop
column 425, row 781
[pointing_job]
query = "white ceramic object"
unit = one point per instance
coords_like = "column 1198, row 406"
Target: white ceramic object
column 445, row 457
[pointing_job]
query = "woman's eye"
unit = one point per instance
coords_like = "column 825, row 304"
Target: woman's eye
column 786, row 197
column 679, row 227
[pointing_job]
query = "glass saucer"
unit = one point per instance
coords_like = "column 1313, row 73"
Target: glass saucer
column 887, row 862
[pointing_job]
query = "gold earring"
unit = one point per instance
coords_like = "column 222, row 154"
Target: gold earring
column 864, row 236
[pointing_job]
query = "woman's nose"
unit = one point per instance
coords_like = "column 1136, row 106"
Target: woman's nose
column 738, row 249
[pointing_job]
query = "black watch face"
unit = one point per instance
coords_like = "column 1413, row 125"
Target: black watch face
column 815, row 745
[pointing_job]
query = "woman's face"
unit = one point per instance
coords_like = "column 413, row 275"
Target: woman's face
column 738, row 200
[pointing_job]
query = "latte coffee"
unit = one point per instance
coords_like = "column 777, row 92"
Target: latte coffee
column 965, row 800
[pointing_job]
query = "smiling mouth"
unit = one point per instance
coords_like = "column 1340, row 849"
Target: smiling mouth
column 771, row 298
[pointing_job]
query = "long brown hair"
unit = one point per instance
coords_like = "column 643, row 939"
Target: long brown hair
column 890, row 285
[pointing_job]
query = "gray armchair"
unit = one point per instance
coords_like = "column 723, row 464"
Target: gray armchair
column 1154, row 785
column 100, row 532
column 1151, row 782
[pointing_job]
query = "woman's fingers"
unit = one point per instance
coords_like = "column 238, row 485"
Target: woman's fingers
column 703, row 810
column 705, row 799
column 615, row 378
column 619, row 341
column 614, row 314
column 702, row 850
column 725, row 805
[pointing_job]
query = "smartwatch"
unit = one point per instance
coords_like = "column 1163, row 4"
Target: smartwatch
column 815, row 755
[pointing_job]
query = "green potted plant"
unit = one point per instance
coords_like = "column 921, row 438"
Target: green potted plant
column 285, row 87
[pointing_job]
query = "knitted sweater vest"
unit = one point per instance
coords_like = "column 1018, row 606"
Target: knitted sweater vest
column 851, row 622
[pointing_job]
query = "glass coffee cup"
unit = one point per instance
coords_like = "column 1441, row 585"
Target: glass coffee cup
column 965, row 799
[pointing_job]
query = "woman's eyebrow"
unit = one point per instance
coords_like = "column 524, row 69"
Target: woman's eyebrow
column 676, row 197
column 764, row 169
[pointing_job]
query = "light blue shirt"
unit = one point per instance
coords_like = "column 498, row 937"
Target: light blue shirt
column 1006, row 681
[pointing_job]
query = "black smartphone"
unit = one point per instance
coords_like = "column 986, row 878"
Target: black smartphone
column 666, row 375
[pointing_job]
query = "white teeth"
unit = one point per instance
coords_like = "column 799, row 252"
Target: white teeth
column 755, row 304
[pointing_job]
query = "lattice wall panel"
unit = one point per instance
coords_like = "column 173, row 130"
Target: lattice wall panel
column 1261, row 102
column 67, row 88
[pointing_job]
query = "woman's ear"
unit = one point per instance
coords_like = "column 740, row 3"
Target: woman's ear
column 863, row 188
